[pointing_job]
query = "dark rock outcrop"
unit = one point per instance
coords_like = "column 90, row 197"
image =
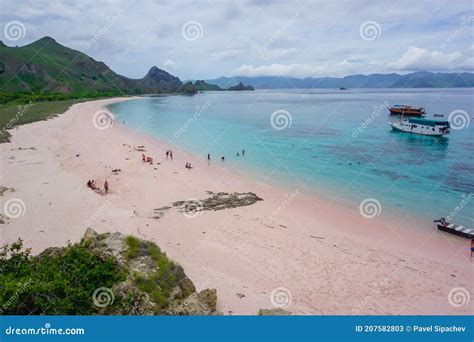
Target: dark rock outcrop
column 158, row 81
column 274, row 312
column 204, row 86
column 219, row 201
column 188, row 88
column 240, row 87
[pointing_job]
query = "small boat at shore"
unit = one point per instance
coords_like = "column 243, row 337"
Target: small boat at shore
column 456, row 229
column 422, row 126
column 407, row 110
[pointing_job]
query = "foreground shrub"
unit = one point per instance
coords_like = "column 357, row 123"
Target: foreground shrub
column 60, row 281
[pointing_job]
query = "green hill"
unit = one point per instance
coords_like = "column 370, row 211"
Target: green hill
column 240, row 87
column 204, row 86
column 47, row 67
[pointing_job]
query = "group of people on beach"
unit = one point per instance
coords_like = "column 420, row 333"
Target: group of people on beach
column 169, row 155
column 146, row 159
column 223, row 158
column 91, row 184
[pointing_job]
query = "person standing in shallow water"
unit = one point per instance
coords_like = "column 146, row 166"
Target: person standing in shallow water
column 167, row 153
column 243, row 152
column 209, row 156
column 171, row 155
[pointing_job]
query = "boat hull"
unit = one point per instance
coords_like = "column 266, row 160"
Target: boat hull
column 455, row 232
column 406, row 112
column 397, row 126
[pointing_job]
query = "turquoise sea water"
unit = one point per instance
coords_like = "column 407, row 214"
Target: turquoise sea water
column 338, row 141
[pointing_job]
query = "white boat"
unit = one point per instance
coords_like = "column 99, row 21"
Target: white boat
column 422, row 126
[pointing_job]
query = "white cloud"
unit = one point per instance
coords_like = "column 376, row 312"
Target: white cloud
column 169, row 64
column 252, row 37
column 341, row 68
column 295, row 70
column 228, row 54
column 416, row 58
column 276, row 54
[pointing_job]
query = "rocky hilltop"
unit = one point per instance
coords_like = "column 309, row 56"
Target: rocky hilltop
column 153, row 284
column 157, row 80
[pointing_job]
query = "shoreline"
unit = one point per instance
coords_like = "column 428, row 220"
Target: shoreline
column 325, row 187
column 285, row 188
column 322, row 195
column 297, row 243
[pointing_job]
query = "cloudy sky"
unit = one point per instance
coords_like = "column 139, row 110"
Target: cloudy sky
column 207, row 39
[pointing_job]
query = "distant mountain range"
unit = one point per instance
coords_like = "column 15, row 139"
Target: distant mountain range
column 420, row 79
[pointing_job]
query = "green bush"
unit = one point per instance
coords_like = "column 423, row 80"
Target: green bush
column 60, row 281
column 26, row 97
column 133, row 247
column 158, row 284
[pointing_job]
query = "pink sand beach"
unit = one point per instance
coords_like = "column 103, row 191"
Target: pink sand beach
column 304, row 254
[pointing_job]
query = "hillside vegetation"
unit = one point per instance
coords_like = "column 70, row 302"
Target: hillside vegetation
column 47, row 70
